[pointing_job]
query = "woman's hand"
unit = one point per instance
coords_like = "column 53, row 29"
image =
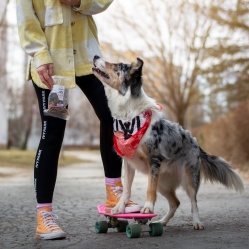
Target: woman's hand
column 71, row 2
column 45, row 72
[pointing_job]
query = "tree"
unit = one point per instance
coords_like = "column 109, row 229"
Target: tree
column 3, row 76
column 174, row 37
column 193, row 49
column 230, row 74
column 29, row 105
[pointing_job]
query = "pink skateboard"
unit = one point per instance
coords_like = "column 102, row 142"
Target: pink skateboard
column 119, row 221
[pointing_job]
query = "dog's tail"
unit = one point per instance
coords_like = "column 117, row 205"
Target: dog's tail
column 216, row 169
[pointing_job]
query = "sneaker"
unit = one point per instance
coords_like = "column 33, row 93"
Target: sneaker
column 48, row 227
column 113, row 194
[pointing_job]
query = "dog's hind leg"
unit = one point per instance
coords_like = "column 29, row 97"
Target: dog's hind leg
column 191, row 188
column 194, row 209
column 174, row 203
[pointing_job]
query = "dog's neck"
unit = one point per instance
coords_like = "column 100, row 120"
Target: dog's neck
column 128, row 107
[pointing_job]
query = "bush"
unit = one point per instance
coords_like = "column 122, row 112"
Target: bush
column 228, row 137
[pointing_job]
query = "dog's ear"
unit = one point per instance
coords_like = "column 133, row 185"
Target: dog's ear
column 136, row 66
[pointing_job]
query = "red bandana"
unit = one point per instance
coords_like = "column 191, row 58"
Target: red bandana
column 128, row 133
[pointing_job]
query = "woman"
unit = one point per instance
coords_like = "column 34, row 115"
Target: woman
column 61, row 38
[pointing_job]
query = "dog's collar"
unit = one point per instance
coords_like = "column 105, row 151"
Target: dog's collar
column 128, row 133
column 130, row 126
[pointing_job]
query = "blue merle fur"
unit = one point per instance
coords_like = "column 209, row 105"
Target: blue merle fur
column 132, row 80
column 170, row 142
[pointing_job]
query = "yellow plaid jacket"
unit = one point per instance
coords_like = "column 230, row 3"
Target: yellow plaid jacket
column 53, row 32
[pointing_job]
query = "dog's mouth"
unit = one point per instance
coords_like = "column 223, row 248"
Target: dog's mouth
column 97, row 70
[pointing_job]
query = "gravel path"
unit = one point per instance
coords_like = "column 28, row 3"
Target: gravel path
column 80, row 188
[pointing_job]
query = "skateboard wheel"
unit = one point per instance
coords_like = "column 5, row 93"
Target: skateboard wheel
column 133, row 231
column 156, row 229
column 121, row 227
column 101, row 227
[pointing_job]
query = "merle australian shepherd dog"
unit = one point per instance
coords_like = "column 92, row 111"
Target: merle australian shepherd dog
column 153, row 145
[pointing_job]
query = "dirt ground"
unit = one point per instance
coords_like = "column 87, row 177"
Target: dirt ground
column 80, row 188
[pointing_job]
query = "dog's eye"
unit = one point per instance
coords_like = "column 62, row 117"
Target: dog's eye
column 117, row 68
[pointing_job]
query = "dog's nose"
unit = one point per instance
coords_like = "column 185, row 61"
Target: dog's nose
column 96, row 57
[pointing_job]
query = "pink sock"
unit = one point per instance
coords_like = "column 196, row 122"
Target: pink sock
column 112, row 181
column 41, row 205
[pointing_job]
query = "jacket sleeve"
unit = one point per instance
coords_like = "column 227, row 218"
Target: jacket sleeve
column 92, row 7
column 31, row 35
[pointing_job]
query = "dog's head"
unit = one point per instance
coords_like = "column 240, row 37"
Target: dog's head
column 119, row 76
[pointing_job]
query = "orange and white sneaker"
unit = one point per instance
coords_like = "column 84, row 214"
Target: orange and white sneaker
column 48, row 227
column 113, row 194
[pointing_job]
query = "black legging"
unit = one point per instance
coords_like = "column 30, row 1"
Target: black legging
column 46, row 162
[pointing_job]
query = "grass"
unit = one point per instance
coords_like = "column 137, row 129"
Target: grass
column 25, row 158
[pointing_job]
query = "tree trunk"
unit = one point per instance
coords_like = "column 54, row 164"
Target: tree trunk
column 3, row 78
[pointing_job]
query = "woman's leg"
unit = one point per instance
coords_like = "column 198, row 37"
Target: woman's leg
column 45, row 171
column 94, row 91
column 46, row 161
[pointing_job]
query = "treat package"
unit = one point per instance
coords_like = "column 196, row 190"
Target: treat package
column 58, row 99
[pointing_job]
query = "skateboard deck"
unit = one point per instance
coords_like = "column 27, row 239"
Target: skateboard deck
column 101, row 210
column 120, row 222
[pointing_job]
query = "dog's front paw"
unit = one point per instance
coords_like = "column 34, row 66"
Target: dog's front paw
column 148, row 208
column 118, row 209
